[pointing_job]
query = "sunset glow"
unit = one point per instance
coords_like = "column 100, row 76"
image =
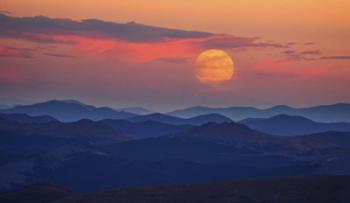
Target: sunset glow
column 124, row 50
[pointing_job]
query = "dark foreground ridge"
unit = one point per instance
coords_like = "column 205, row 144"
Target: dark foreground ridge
column 335, row 189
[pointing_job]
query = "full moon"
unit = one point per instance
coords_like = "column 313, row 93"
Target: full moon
column 214, row 66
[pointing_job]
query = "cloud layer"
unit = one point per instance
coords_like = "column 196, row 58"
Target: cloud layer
column 336, row 57
column 33, row 27
column 130, row 40
column 8, row 51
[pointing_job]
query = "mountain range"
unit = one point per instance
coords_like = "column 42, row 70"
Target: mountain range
column 137, row 110
column 71, row 154
column 88, row 155
column 83, row 130
column 69, row 110
column 293, row 125
column 197, row 120
column 3, row 106
column 24, row 118
column 323, row 113
column 145, row 129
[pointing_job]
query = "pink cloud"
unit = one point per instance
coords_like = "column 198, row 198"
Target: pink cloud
column 127, row 41
column 139, row 52
column 7, row 51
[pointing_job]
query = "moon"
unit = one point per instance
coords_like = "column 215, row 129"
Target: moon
column 214, row 66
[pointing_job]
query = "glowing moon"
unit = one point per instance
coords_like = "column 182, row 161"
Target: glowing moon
column 214, row 66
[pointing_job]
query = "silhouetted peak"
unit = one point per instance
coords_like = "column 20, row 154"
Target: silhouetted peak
column 289, row 118
column 340, row 106
column 280, row 108
column 85, row 121
column 72, row 101
column 223, row 126
column 156, row 115
column 228, row 133
column 212, row 115
column 222, row 129
column 199, row 107
column 24, row 118
column 68, row 101
column 137, row 110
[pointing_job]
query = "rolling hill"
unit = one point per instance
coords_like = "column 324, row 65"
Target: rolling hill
column 324, row 113
column 137, row 110
column 3, row 106
column 86, row 130
column 293, row 125
column 94, row 156
column 197, row 120
column 68, row 110
column 24, row 118
column 145, row 129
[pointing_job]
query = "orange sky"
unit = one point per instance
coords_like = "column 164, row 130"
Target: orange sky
column 325, row 23
column 221, row 15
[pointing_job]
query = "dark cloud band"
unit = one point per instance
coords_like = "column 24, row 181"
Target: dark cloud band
column 30, row 27
column 336, row 57
column 43, row 29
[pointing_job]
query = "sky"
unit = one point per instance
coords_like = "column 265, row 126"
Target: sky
column 143, row 52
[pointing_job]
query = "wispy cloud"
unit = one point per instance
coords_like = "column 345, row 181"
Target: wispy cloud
column 60, row 55
column 291, row 43
column 311, row 52
column 336, row 57
column 289, row 51
column 292, row 54
column 37, row 28
column 140, row 42
column 309, row 43
column 173, row 60
column 8, row 51
column 229, row 41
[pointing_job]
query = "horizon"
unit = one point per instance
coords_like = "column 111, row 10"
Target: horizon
column 9, row 105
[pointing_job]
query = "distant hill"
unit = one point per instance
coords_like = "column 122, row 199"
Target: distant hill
column 97, row 155
column 206, row 118
column 3, row 106
column 324, row 113
column 69, row 110
column 137, row 110
column 225, row 143
column 24, row 118
column 145, row 129
column 228, row 134
column 292, row 125
column 198, row 120
column 86, row 130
